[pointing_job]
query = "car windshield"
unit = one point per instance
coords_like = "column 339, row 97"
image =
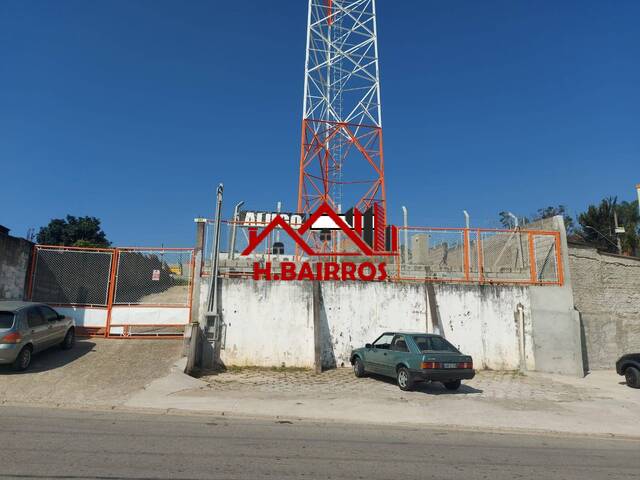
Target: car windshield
column 434, row 344
column 6, row 320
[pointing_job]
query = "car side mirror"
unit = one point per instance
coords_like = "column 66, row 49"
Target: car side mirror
column 368, row 345
column 60, row 317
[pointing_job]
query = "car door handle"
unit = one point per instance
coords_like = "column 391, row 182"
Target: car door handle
column 33, row 330
column 385, row 354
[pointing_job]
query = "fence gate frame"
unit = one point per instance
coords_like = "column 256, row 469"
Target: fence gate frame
column 111, row 302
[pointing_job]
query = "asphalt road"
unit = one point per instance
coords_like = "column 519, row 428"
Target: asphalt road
column 55, row 443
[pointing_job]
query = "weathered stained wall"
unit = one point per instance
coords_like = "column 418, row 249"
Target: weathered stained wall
column 14, row 265
column 607, row 294
column 267, row 323
column 271, row 323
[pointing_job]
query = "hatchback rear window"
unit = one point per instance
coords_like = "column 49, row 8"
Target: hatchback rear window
column 6, row 319
column 434, row 344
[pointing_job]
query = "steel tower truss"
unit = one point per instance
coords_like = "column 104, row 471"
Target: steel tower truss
column 341, row 161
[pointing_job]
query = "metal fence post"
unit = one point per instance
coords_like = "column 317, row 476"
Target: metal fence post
column 532, row 259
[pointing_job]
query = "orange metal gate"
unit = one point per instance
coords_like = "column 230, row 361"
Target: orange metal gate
column 116, row 292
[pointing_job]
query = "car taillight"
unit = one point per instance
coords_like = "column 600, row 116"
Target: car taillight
column 13, row 337
column 468, row 365
column 428, row 365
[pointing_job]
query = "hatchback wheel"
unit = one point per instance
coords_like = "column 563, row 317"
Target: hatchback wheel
column 358, row 367
column 69, row 340
column 455, row 385
column 632, row 376
column 23, row 360
column 404, row 379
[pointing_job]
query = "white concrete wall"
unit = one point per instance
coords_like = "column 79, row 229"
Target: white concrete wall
column 267, row 323
column 480, row 321
column 355, row 313
column 271, row 323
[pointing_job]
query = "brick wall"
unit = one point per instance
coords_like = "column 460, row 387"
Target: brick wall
column 606, row 291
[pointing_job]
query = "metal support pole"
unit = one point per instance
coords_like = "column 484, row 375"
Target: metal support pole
column 234, row 227
column 215, row 254
column 516, row 225
column 211, row 318
column 466, row 218
column 279, row 206
column 405, row 222
column 617, row 230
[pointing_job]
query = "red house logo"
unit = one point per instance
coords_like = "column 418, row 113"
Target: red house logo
column 381, row 237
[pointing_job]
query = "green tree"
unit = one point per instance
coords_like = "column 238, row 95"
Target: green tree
column 73, row 231
column 598, row 226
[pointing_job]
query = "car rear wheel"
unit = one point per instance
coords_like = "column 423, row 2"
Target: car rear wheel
column 632, row 376
column 455, row 385
column 405, row 381
column 23, row 360
column 69, row 340
column 358, row 367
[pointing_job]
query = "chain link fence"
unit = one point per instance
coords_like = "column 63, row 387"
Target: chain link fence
column 424, row 254
column 432, row 254
column 505, row 256
column 68, row 276
column 154, row 277
column 140, row 292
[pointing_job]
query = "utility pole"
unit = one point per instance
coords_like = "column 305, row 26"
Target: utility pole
column 618, row 231
column 211, row 319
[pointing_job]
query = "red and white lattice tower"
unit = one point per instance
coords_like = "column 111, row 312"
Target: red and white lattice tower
column 341, row 159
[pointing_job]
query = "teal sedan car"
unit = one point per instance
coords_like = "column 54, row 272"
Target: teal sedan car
column 413, row 357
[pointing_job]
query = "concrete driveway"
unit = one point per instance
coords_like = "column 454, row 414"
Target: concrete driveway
column 96, row 372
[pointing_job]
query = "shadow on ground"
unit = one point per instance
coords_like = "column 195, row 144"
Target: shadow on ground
column 52, row 358
column 430, row 388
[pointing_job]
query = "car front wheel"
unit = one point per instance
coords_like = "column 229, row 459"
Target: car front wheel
column 23, row 360
column 358, row 367
column 632, row 376
column 69, row 340
column 404, row 379
column 454, row 385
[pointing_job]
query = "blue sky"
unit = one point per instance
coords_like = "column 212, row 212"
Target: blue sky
column 133, row 111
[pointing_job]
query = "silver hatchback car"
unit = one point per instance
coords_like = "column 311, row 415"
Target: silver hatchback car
column 27, row 328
